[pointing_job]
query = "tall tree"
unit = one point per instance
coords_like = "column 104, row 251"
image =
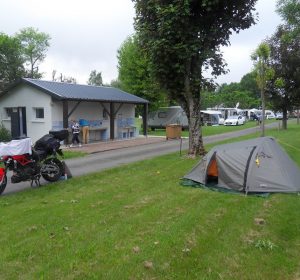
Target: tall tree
column 95, row 79
column 248, row 83
column 246, row 93
column 183, row 39
column 116, row 83
column 220, row 99
column 34, row 46
column 135, row 74
column 284, row 88
column 11, row 62
column 229, row 88
column 261, row 59
column 289, row 10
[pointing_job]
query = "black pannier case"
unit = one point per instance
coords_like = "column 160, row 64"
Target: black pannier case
column 60, row 134
column 47, row 143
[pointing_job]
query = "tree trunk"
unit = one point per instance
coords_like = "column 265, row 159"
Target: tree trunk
column 196, row 146
column 284, row 119
column 191, row 105
column 262, row 113
column 298, row 116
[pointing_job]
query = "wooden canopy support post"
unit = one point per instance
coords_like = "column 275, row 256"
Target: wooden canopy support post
column 112, row 121
column 112, row 114
column 145, row 120
column 65, row 114
column 65, row 118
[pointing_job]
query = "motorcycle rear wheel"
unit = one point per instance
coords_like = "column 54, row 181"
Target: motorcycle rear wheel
column 53, row 169
column 3, row 185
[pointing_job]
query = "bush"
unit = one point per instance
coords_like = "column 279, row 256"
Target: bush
column 5, row 135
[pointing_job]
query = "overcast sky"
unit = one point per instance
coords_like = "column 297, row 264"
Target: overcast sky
column 85, row 35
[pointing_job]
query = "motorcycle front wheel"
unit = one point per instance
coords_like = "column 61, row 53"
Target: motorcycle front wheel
column 52, row 169
column 3, row 184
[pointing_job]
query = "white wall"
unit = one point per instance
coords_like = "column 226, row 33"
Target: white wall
column 29, row 97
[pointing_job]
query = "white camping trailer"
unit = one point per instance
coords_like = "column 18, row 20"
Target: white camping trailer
column 167, row 115
column 176, row 115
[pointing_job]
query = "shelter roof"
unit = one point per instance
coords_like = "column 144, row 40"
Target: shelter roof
column 68, row 91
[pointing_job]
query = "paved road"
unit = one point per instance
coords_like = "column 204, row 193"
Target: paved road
column 108, row 159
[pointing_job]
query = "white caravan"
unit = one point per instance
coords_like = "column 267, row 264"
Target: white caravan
column 167, row 115
column 176, row 115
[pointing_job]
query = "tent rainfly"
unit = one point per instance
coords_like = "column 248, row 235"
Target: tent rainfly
column 258, row 165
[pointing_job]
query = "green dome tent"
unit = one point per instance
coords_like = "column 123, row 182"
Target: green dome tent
column 257, row 165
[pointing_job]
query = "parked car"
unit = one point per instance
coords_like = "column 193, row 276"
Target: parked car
column 234, row 120
column 269, row 115
column 279, row 116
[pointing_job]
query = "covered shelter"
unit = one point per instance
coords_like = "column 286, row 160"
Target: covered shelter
column 32, row 107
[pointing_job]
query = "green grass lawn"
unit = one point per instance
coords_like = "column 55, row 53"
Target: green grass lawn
column 73, row 154
column 138, row 222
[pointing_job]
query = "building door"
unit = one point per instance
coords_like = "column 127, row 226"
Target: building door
column 18, row 122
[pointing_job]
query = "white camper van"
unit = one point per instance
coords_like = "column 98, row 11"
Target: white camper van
column 211, row 117
column 227, row 112
column 254, row 114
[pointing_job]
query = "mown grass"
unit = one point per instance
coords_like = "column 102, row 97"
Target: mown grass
column 138, row 222
column 73, row 154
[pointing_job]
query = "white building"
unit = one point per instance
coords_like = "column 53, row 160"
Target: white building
column 34, row 107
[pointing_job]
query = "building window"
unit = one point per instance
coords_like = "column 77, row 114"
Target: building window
column 162, row 115
column 39, row 113
column 8, row 112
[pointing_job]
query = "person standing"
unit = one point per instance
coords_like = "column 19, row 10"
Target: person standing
column 85, row 130
column 75, row 132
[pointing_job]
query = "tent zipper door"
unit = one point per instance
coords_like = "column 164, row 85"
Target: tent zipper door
column 245, row 189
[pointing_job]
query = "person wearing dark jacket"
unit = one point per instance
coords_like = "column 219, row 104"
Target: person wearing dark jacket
column 75, row 132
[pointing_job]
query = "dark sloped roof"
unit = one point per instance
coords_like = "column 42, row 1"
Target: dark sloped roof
column 66, row 91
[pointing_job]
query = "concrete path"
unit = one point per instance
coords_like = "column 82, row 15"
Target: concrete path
column 106, row 155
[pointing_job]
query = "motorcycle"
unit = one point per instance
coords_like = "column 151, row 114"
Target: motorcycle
column 29, row 163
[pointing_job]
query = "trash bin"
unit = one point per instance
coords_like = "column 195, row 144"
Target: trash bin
column 173, row 131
